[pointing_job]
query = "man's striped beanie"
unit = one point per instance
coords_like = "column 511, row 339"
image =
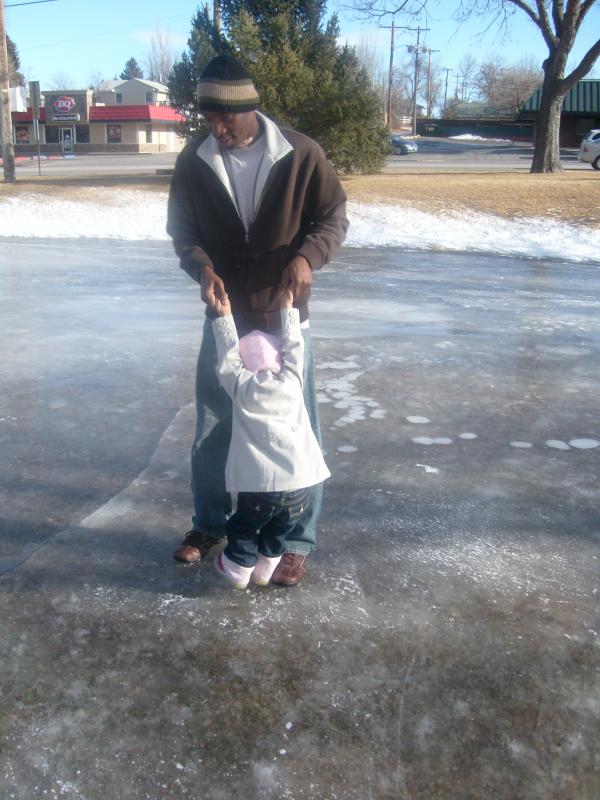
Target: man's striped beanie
column 225, row 86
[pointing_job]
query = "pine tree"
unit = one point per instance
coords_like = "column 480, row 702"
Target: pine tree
column 132, row 70
column 16, row 78
column 304, row 78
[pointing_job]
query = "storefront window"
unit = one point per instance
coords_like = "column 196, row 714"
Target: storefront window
column 21, row 134
column 51, row 134
column 148, row 134
column 82, row 134
column 113, row 134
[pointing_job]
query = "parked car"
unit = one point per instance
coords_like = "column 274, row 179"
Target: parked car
column 590, row 149
column 401, row 146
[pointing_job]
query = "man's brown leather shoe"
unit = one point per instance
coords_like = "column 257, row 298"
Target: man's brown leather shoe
column 195, row 546
column 290, row 570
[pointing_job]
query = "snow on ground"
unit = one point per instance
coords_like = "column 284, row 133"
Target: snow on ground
column 471, row 137
column 133, row 214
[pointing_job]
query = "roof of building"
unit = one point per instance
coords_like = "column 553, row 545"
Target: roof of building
column 482, row 111
column 145, row 113
column 583, row 98
column 159, row 87
column 110, row 85
column 134, row 114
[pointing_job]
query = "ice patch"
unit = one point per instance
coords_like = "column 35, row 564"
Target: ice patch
column 502, row 567
column 467, row 435
column 418, row 420
column 347, row 448
column 522, row 445
column 584, row 444
column 118, row 216
column 429, row 470
column 341, row 391
column 557, row 444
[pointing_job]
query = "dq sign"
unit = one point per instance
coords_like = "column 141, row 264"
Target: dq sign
column 63, row 105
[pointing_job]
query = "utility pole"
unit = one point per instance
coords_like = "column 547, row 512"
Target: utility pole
column 8, row 148
column 429, row 104
column 447, row 70
column 391, row 27
column 416, row 50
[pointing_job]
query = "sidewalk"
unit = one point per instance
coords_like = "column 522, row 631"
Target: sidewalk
column 445, row 642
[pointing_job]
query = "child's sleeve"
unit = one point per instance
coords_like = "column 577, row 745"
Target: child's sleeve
column 230, row 369
column 292, row 344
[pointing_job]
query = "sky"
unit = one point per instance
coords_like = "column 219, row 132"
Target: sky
column 81, row 39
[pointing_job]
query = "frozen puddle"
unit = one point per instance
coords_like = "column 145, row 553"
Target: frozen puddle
column 341, row 391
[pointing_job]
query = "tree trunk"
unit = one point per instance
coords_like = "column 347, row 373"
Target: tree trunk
column 546, row 155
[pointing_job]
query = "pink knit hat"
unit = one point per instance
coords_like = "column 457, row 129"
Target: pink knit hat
column 260, row 351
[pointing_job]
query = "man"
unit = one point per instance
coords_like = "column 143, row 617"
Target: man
column 253, row 210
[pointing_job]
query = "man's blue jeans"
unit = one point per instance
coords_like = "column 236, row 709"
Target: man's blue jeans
column 211, row 446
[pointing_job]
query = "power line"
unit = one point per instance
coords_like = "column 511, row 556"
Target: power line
column 30, row 3
column 100, row 33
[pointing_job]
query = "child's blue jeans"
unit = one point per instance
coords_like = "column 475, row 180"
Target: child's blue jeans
column 261, row 523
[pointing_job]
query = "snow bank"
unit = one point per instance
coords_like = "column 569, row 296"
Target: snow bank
column 471, row 137
column 140, row 215
column 384, row 225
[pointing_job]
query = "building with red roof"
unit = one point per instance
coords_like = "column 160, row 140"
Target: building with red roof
column 70, row 123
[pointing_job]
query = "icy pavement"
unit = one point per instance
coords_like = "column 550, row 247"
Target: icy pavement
column 445, row 643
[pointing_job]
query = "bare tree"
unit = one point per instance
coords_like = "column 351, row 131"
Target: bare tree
column 366, row 52
column 402, row 94
column 489, row 80
column 435, row 88
column 95, row 80
column 61, row 80
column 507, row 86
column 160, row 57
column 466, row 79
column 558, row 23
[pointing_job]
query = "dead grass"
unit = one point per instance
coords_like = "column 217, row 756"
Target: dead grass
column 572, row 196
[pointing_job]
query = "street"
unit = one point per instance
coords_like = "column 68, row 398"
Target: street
column 433, row 154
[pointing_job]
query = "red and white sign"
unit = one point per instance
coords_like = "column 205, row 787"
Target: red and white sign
column 64, row 104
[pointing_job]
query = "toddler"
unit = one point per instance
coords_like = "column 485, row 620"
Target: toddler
column 274, row 457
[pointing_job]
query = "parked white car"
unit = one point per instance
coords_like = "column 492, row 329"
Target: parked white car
column 590, row 149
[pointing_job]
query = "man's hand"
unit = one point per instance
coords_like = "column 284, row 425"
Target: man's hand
column 297, row 277
column 212, row 287
column 222, row 308
column 287, row 298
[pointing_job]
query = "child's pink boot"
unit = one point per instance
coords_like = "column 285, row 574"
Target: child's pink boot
column 237, row 576
column 263, row 569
